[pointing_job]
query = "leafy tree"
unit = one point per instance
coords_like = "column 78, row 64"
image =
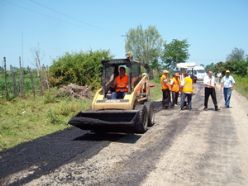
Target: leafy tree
column 175, row 52
column 236, row 62
column 237, row 54
column 145, row 45
column 82, row 68
column 211, row 67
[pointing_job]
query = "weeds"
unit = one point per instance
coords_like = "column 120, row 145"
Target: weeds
column 242, row 85
column 53, row 118
column 25, row 119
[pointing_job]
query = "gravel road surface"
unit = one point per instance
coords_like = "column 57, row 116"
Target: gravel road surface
column 183, row 148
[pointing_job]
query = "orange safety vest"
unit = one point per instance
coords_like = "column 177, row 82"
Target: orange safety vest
column 176, row 85
column 164, row 85
column 121, row 84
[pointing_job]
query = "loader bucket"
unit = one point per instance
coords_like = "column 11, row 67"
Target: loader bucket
column 106, row 120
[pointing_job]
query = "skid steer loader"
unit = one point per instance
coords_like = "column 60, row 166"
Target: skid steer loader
column 132, row 114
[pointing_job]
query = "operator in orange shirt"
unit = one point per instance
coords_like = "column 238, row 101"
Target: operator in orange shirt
column 121, row 84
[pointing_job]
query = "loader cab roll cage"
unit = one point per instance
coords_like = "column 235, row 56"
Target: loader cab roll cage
column 111, row 70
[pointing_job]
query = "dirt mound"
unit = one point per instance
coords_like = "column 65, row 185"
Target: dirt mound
column 75, row 91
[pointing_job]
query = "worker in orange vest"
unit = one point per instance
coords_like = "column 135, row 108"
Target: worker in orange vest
column 187, row 91
column 165, row 86
column 175, row 88
column 120, row 84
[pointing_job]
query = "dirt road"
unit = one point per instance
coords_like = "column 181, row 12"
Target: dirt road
column 183, row 148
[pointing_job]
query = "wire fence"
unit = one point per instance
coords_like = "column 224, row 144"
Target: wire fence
column 22, row 82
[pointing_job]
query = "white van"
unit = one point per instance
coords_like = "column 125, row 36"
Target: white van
column 195, row 70
column 199, row 72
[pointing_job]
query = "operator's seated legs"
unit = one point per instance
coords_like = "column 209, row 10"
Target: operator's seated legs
column 117, row 95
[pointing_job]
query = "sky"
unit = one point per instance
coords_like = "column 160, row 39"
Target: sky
column 213, row 28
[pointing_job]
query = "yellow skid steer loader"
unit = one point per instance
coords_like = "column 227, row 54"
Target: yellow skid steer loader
column 132, row 113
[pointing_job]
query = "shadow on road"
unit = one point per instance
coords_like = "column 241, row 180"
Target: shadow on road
column 113, row 137
column 47, row 153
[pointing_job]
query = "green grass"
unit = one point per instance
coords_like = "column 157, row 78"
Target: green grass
column 27, row 84
column 156, row 93
column 23, row 120
column 241, row 85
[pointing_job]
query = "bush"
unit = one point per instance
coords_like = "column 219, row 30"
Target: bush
column 82, row 68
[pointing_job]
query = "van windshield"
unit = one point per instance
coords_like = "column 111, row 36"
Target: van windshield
column 200, row 71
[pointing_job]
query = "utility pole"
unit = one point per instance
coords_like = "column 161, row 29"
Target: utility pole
column 5, row 78
column 21, row 80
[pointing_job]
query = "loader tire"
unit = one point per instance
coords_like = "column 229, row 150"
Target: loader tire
column 142, row 123
column 151, row 114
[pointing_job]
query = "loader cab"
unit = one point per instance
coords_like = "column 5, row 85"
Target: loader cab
column 111, row 71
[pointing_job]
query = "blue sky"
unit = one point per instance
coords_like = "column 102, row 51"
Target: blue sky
column 212, row 27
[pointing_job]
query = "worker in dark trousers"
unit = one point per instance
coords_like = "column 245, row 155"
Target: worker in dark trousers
column 175, row 88
column 165, row 86
column 187, row 91
column 209, row 83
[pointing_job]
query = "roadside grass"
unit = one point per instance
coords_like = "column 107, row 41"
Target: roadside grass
column 27, row 86
column 242, row 85
column 23, row 120
column 156, row 93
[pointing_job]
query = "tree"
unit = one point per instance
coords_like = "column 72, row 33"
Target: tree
column 210, row 67
column 145, row 45
column 236, row 55
column 82, row 68
column 175, row 52
column 236, row 62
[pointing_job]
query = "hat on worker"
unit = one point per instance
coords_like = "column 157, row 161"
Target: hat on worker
column 227, row 71
column 165, row 71
column 177, row 74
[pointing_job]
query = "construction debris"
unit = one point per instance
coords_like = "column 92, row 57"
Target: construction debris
column 75, row 91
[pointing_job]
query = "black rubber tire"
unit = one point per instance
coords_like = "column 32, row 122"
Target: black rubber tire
column 150, row 110
column 142, row 123
column 99, row 132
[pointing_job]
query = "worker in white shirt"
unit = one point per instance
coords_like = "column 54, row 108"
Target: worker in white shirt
column 209, row 83
column 227, row 83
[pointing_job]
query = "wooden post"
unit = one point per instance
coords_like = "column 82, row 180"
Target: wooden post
column 39, row 70
column 21, row 80
column 5, row 78
column 45, row 78
column 32, row 81
column 13, row 72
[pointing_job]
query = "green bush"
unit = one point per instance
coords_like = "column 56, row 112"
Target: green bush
column 82, row 68
column 242, row 84
column 49, row 98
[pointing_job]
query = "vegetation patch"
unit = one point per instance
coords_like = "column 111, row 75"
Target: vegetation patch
column 242, row 85
column 156, row 93
column 26, row 119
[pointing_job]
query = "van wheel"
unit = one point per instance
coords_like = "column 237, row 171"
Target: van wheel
column 142, row 123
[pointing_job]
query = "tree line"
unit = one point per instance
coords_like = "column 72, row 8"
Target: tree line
column 148, row 46
column 236, row 62
column 145, row 45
